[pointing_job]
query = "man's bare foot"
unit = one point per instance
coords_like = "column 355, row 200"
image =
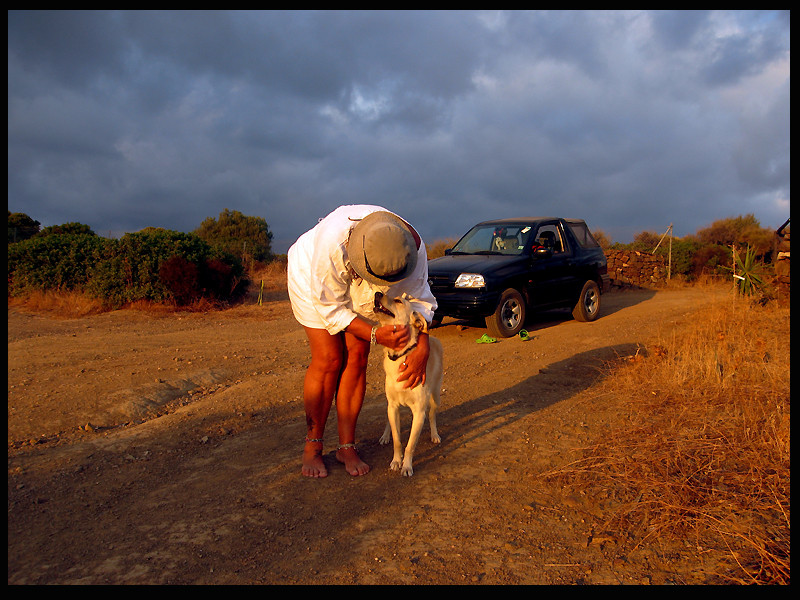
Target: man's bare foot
column 347, row 455
column 313, row 465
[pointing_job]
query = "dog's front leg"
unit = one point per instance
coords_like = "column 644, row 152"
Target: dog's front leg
column 393, row 412
column 413, row 437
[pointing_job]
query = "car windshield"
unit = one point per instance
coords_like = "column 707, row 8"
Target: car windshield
column 494, row 239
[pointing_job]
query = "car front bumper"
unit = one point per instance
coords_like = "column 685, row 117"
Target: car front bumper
column 466, row 303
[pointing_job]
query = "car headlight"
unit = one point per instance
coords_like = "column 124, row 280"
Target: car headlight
column 470, row 280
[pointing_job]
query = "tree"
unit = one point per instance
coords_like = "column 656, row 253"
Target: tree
column 21, row 227
column 646, row 241
column 602, row 238
column 741, row 230
column 66, row 228
column 238, row 234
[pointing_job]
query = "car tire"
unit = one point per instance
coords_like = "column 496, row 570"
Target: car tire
column 588, row 306
column 509, row 317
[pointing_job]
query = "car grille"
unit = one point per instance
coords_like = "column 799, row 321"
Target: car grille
column 439, row 282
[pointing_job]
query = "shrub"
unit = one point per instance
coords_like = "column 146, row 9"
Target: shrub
column 220, row 279
column 21, row 227
column 55, row 262
column 65, row 229
column 156, row 265
column 710, row 260
column 181, row 278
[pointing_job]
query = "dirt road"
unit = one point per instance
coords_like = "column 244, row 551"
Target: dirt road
column 146, row 449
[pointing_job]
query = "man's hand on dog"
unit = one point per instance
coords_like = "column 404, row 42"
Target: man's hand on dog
column 394, row 337
column 415, row 363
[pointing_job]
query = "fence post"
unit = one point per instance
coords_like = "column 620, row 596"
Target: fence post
column 669, row 262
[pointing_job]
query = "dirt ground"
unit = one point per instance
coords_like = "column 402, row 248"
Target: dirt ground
column 165, row 449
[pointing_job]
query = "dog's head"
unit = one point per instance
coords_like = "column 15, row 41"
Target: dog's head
column 399, row 311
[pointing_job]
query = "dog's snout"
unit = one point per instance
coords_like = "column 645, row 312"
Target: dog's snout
column 379, row 307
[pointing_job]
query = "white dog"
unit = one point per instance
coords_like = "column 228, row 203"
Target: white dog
column 422, row 399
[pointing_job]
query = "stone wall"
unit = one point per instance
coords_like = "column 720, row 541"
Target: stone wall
column 781, row 253
column 636, row 269
column 632, row 268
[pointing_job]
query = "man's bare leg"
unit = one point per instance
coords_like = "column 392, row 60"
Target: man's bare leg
column 349, row 399
column 319, row 388
column 313, row 465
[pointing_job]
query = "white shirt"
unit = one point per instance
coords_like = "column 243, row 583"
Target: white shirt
column 326, row 292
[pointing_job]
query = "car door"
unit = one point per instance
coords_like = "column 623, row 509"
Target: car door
column 552, row 278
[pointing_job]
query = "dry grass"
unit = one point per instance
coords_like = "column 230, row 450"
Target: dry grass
column 436, row 249
column 273, row 272
column 267, row 281
column 58, row 304
column 703, row 458
column 72, row 305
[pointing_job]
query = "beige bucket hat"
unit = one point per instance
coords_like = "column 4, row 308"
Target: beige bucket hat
column 382, row 249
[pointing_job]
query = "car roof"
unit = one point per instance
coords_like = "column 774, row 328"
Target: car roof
column 528, row 220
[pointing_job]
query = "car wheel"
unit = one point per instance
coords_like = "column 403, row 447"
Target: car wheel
column 588, row 305
column 509, row 317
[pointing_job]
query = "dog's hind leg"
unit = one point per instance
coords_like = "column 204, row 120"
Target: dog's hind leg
column 435, row 387
column 387, row 434
column 435, row 438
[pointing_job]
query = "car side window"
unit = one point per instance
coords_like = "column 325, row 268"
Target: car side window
column 549, row 236
column 583, row 235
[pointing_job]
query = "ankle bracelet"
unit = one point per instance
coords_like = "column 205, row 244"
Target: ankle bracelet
column 344, row 446
column 316, row 441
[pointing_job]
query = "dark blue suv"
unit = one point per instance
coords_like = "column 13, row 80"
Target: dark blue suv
column 501, row 270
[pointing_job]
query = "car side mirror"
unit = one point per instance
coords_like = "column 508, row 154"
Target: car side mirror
column 542, row 252
column 448, row 251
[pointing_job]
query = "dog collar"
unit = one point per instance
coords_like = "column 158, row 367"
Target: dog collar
column 406, row 351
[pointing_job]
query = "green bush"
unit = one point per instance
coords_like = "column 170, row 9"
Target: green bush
column 55, row 262
column 238, row 234
column 66, row 228
column 157, row 265
column 21, row 227
column 683, row 251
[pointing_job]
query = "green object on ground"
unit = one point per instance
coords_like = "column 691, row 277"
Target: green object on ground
column 485, row 339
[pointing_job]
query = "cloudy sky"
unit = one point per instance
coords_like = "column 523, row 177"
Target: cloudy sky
column 630, row 120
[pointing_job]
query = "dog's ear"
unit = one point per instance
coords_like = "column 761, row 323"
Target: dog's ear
column 419, row 322
column 409, row 297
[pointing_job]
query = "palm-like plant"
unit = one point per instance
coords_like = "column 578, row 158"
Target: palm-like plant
column 746, row 277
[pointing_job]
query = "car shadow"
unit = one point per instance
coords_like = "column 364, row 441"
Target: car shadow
column 617, row 299
column 611, row 302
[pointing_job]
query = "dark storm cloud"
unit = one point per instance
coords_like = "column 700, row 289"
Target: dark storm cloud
column 632, row 120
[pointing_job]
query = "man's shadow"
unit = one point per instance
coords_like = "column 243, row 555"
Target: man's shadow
column 478, row 418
